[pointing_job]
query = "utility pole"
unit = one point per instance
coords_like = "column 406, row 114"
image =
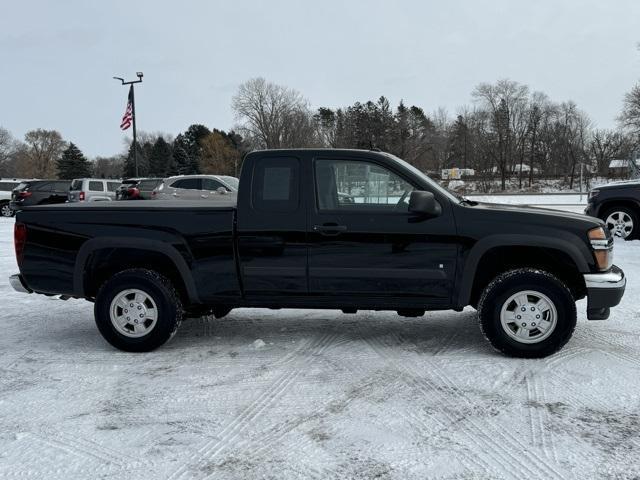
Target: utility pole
column 133, row 115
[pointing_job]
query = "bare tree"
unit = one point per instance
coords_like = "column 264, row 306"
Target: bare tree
column 44, row 148
column 273, row 116
column 507, row 102
column 8, row 148
column 630, row 115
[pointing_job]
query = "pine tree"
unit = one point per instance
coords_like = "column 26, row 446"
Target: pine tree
column 181, row 164
column 129, row 169
column 73, row 164
column 159, row 158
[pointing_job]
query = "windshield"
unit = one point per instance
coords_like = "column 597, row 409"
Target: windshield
column 432, row 183
column 76, row 185
column 233, row 182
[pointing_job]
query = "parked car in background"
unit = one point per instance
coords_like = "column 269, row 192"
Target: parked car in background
column 39, row 192
column 137, row 188
column 6, row 187
column 196, row 187
column 93, row 190
column 618, row 205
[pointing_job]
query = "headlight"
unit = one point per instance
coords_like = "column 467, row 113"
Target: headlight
column 602, row 248
column 593, row 193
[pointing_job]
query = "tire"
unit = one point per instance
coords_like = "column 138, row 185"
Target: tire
column 622, row 222
column 501, row 304
column 5, row 210
column 151, row 295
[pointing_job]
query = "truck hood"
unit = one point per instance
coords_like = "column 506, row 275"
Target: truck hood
column 534, row 215
column 618, row 184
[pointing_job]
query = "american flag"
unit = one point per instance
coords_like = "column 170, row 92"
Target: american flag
column 127, row 118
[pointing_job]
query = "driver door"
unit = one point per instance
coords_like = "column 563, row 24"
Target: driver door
column 364, row 242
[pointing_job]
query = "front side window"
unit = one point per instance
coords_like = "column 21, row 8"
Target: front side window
column 276, row 185
column 211, row 185
column 148, row 184
column 233, row 182
column 187, row 184
column 359, row 186
column 42, row 187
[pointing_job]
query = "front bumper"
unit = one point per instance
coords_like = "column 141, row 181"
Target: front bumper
column 18, row 284
column 604, row 290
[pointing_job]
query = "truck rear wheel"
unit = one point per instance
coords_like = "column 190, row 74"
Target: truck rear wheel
column 138, row 310
column 527, row 313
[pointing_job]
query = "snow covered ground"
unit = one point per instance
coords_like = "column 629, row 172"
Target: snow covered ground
column 314, row 394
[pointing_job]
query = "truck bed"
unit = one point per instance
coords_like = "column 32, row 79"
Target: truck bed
column 64, row 241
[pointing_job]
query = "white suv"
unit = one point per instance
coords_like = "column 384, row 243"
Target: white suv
column 93, row 190
column 196, row 187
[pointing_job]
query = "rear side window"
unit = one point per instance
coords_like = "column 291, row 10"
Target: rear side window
column 113, row 186
column 96, row 187
column 276, row 185
column 187, row 183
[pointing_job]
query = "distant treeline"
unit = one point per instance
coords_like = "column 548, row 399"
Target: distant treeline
column 505, row 127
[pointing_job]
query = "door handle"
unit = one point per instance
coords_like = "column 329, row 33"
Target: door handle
column 329, row 229
column 204, row 196
column 175, row 194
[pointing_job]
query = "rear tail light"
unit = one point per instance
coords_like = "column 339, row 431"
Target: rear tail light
column 81, row 196
column 24, row 194
column 19, row 239
column 154, row 193
column 133, row 192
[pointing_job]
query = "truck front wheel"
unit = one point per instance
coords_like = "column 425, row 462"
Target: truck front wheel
column 138, row 310
column 527, row 313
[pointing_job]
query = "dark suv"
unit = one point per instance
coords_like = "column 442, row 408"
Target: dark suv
column 137, row 188
column 39, row 192
column 618, row 204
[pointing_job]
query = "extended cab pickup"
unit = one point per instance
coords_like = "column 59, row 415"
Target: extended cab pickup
column 333, row 229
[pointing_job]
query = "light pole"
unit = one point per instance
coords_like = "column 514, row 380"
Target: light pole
column 133, row 115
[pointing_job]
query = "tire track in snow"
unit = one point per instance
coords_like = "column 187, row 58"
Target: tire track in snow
column 499, row 431
column 564, row 355
column 502, row 456
column 76, row 449
column 539, row 417
column 211, row 449
column 504, row 463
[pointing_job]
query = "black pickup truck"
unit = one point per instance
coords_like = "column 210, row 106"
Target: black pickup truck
column 332, row 229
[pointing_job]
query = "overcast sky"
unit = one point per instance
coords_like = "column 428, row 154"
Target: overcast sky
column 57, row 58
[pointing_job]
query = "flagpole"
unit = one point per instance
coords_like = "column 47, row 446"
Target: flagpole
column 135, row 142
column 133, row 115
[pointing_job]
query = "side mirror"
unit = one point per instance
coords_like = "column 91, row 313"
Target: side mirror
column 424, row 204
column 221, row 190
